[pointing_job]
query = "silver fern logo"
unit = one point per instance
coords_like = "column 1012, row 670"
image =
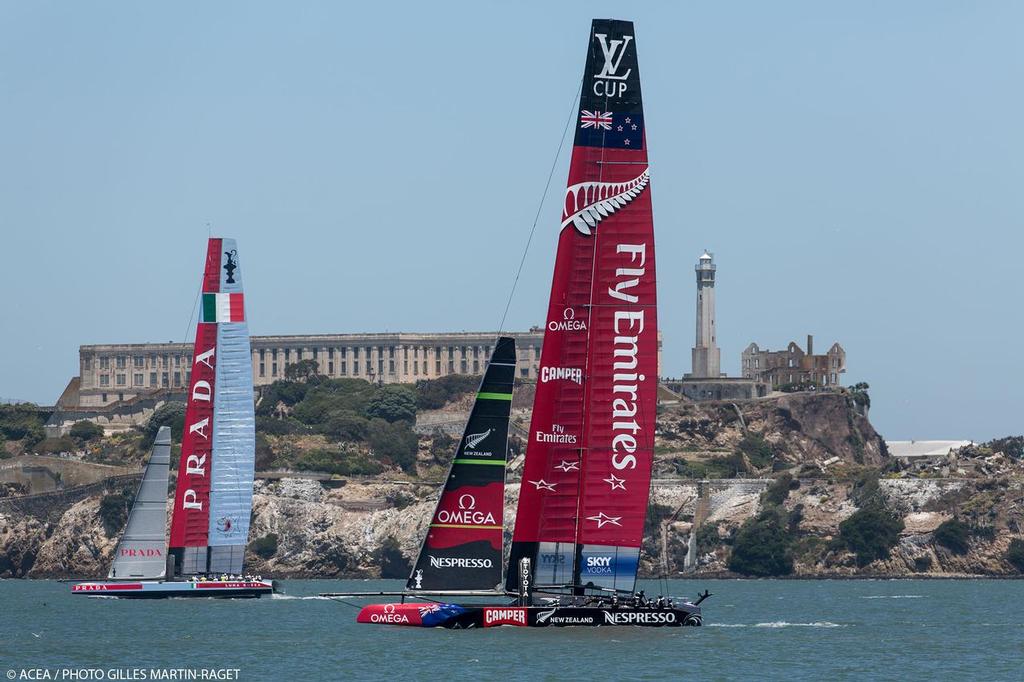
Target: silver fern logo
column 588, row 203
column 474, row 439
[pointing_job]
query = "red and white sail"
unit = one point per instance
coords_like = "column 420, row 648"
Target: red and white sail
column 213, row 498
column 586, row 479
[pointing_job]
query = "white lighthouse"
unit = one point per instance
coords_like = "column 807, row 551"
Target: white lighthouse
column 707, row 360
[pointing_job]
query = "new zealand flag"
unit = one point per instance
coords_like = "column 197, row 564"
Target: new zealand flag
column 610, row 129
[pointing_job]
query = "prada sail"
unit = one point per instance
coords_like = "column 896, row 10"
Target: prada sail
column 141, row 552
column 213, row 499
column 586, row 478
column 463, row 546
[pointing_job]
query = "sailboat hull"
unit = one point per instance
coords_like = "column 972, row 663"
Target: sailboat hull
column 158, row 589
column 458, row 617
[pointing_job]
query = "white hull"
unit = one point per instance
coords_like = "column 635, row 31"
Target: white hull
column 157, row 589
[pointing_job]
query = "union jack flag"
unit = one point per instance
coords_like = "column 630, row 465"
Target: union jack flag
column 431, row 608
column 599, row 120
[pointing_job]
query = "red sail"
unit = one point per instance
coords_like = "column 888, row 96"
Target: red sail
column 191, row 521
column 587, row 474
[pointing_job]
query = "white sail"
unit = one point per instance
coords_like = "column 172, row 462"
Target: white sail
column 142, row 550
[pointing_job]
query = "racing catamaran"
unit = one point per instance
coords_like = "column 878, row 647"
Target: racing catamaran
column 586, row 479
column 213, row 497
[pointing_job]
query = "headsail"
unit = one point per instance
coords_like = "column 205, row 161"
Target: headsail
column 586, row 479
column 213, row 500
column 142, row 551
column 463, row 546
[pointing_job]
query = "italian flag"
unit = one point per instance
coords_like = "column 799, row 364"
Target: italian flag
column 223, row 308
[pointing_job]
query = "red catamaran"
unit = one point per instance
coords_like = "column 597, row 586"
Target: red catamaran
column 213, row 499
column 586, row 480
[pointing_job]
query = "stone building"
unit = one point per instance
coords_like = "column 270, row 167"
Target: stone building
column 794, row 366
column 112, row 373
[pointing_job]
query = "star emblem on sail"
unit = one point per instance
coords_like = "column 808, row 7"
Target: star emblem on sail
column 568, row 466
column 616, row 482
column 602, row 519
column 588, row 203
column 543, row 485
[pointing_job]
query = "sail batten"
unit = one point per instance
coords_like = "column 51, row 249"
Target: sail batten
column 587, row 473
column 463, row 546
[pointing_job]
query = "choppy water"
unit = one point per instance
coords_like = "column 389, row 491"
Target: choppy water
column 803, row 630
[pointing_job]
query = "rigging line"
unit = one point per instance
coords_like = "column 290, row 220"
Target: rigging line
column 547, row 185
column 199, row 292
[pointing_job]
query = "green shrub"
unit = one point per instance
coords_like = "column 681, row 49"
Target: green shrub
column 953, row 535
column 1015, row 554
column 168, row 414
column 287, row 392
column 114, row 508
column 393, row 563
column 396, row 443
column 346, row 426
column 778, row 491
column 85, row 431
column 264, row 547
column 21, row 421
column 272, row 426
column 52, row 446
column 759, row 452
column 1011, row 446
column 265, row 454
column 432, row 394
column 763, row 546
column 870, row 533
column 341, row 463
column 442, row 448
column 708, row 538
column 333, row 397
column 392, row 403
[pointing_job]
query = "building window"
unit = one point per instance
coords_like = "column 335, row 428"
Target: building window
column 273, row 354
column 344, row 367
column 177, row 379
column 86, row 363
column 104, row 363
column 263, row 369
column 273, row 369
column 330, row 367
column 137, row 379
column 391, row 352
column 415, row 367
column 104, row 381
column 177, row 361
column 120, row 380
column 121, row 362
column 103, row 397
column 120, row 397
column 287, row 355
column 164, row 379
column 524, row 371
column 380, row 366
column 167, row 360
column 391, row 366
column 437, row 367
column 463, row 367
column 138, row 361
column 355, row 367
column 152, row 379
column 476, row 367
column 330, row 353
column 188, row 376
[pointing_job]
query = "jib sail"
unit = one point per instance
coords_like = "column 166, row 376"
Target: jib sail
column 213, row 499
column 586, row 479
column 142, row 550
column 463, row 546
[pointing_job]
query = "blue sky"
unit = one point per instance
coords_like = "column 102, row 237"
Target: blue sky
column 856, row 169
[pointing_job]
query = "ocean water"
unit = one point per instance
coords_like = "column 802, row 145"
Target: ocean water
column 755, row 630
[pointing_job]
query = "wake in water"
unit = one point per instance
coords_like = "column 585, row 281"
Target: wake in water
column 776, row 624
column 278, row 595
column 894, row 596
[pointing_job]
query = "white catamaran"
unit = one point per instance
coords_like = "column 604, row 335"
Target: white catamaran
column 213, row 498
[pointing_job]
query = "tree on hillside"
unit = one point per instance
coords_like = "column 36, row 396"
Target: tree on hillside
column 392, row 403
column 302, row 370
column 433, row 394
column 169, row 414
column 85, row 430
column 763, row 545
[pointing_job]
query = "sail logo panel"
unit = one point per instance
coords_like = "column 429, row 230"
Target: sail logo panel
column 591, row 439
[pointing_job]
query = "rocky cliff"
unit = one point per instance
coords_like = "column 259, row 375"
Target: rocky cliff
column 363, row 526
